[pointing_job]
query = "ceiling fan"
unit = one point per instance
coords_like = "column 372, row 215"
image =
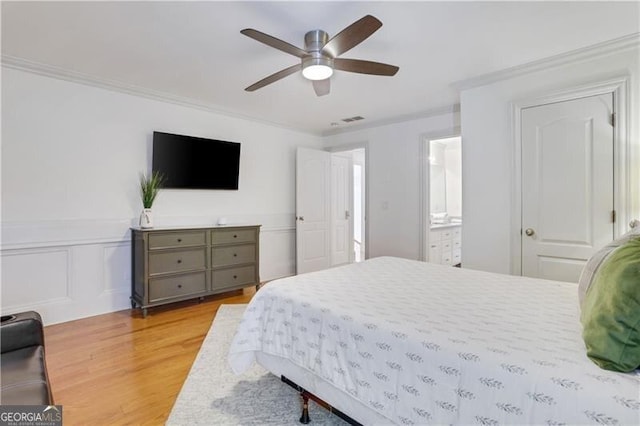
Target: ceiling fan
column 319, row 57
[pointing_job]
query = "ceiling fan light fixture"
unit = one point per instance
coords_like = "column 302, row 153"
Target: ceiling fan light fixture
column 317, row 68
column 317, row 72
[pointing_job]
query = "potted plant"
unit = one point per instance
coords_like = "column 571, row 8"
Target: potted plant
column 149, row 187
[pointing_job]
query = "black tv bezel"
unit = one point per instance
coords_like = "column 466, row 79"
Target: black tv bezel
column 202, row 140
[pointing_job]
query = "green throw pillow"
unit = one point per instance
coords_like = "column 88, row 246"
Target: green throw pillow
column 611, row 311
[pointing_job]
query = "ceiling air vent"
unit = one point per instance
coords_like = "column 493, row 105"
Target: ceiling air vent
column 350, row 119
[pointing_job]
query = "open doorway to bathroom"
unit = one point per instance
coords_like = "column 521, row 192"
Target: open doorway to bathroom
column 444, row 207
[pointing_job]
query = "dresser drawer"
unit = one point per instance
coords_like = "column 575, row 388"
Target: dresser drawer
column 227, row 236
column 161, row 262
column 176, row 286
column 233, row 255
column 457, row 232
column 446, row 234
column 163, row 240
column 230, row 277
column 435, row 236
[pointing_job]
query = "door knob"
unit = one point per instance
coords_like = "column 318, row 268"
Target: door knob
column 529, row 232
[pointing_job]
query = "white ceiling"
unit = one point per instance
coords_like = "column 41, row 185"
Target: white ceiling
column 194, row 50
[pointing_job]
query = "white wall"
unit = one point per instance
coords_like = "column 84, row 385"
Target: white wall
column 488, row 150
column 71, row 159
column 393, row 179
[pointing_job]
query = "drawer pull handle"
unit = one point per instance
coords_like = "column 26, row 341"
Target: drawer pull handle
column 235, row 236
column 179, row 260
column 179, row 285
column 235, row 276
column 235, row 254
column 179, row 240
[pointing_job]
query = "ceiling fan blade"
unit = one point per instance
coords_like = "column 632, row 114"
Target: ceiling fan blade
column 274, row 77
column 274, row 42
column 364, row 67
column 351, row 36
column 322, row 87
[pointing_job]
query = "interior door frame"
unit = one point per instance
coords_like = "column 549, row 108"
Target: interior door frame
column 622, row 188
column 350, row 147
column 424, row 185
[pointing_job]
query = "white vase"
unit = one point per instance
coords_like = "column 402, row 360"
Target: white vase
column 146, row 218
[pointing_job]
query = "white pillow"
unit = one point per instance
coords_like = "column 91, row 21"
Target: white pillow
column 590, row 269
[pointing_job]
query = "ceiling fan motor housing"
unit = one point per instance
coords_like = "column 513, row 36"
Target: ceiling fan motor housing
column 314, row 41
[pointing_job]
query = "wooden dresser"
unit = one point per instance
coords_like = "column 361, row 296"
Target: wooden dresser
column 173, row 264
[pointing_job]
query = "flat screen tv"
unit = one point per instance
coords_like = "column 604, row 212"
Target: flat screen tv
column 189, row 162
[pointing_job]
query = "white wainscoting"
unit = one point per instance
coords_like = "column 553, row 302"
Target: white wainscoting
column 68, row 270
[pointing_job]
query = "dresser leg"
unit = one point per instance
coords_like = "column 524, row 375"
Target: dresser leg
column 144, row 312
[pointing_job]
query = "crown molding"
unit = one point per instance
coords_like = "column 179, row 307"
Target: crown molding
column 631, row 41
column 433, row 112
column 21, row 64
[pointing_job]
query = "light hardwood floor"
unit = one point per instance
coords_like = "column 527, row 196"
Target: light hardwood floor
column 120, row 368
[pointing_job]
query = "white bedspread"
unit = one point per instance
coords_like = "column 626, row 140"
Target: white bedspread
column 422, row 343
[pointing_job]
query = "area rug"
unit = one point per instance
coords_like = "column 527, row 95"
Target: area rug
column 213, row 395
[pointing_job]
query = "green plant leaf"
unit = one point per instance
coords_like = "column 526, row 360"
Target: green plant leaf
column 149, row 187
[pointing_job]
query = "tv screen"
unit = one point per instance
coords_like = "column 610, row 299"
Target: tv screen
column 188, row 162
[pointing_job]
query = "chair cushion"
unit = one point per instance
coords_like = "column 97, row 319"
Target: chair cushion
column 611, row 310
column 24, row 377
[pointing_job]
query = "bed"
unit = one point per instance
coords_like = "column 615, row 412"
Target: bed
column 393, row 340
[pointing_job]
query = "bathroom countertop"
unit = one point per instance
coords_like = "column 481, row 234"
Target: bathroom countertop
column 445, row 225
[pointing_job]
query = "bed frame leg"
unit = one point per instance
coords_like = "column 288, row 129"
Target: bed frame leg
column 304, row 419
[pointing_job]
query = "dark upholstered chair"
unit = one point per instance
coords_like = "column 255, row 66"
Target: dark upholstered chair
column 22, row 361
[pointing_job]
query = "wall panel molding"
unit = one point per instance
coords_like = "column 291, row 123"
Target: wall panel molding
column 24, row 271
column 89, row 261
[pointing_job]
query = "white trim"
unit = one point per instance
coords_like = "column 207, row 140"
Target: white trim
column 63, row 233
column 20, row 64
column 424, row 195
column 619, row 87
column 631, row 41
column 69, row 295
column 433, row 112
column 106, row 291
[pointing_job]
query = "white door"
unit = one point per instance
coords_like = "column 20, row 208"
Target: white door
column 567, row 185
column 313, row 192
column 341, row 209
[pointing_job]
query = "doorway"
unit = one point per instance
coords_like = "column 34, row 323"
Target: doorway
column 348, row 201
column 568, row 210
column 443, row 190
column 331, row 206
column 624, row 177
